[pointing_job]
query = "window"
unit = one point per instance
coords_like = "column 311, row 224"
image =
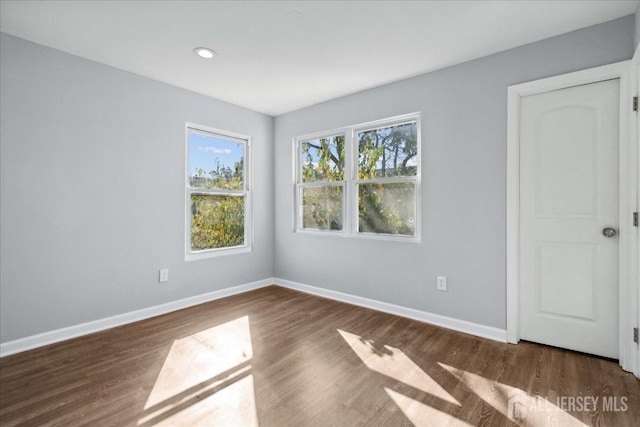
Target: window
column 217, row 193
column 321, row 186
column 361, row 181
column 387, row 171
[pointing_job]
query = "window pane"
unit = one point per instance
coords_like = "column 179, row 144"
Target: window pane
column 322, row 208
column 387, row 208
column 388, row 151
column 322, row 159
column 216, row 221
column 215, row 162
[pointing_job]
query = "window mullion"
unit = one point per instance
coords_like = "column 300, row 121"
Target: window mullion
column 351, row 211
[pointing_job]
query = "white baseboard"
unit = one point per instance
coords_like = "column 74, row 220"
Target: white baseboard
column 46, row 338
column 483, row 331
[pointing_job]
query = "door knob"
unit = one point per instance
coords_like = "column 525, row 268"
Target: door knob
column 609, row 232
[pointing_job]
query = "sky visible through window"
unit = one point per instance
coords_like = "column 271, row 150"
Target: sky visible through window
column 315, row 152
column 207, row 150
column 314, row 168
column 393, row 147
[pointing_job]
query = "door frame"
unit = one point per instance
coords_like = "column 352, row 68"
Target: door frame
column 628, row 235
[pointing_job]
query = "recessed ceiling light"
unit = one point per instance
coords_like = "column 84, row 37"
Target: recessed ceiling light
column 204, row 52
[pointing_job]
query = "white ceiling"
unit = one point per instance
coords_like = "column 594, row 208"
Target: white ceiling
column 279, row 56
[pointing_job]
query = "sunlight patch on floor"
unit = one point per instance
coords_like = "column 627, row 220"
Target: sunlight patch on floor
column 392, row 362
column 233, row 405
column 536, row 411
column 422, row 415
column 206, row 380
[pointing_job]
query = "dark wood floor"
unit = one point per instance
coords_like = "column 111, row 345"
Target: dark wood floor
column 276, row 357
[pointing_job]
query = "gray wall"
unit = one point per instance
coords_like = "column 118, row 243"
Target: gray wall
column 636, row 35
column 464, row 122
column 92, row 196
column 92, row 164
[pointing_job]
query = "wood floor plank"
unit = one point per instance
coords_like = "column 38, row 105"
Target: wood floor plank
column 277, row 357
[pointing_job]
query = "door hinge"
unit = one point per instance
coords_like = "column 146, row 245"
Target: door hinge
column 635, row 219
column 635, row 103
column 635, row 335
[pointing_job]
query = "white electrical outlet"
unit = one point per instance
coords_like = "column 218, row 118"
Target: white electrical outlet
column 164, row 275
column 441, row 283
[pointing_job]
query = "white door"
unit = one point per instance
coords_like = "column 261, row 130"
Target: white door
column 568, row 201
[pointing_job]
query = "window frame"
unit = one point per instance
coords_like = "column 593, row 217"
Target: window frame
column 351, row 182
column 245, row 192
column 300, row 186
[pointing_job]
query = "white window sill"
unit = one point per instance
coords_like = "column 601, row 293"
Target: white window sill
column 366, row 236
column 213, row 253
